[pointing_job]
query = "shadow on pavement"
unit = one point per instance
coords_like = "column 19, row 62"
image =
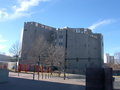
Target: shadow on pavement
column 26, row 84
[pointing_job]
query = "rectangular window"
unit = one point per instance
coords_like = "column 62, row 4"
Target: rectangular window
column 25, row 29
column 85, row 45
column 36, row 24
column 60, row 43
column 60, row 40
column 42, row 26
column 60, row 36
column 77, row 30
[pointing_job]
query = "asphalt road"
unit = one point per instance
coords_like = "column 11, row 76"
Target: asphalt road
column 27, row 84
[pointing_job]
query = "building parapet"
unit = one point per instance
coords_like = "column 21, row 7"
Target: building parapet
column 40, row 25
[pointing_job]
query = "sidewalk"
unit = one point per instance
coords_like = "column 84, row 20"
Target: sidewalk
column 25, row 82
column 70, row 80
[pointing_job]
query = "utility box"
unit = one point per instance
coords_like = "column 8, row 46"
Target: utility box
column 108, row 78
column 3, row 75
column 99, row 79
column 95, row 79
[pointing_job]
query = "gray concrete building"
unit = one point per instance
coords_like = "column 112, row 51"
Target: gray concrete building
column 32, row 31
column 110, row 59
column 84, row 48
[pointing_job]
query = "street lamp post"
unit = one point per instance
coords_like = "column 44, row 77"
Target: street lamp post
column 38, row 67
column 65, row 54
column 17, row 64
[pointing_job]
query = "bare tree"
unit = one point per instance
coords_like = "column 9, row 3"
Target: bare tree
column 15, row 49
column 115, row 65
column 48, row 53
column 55, row 56
column 117, row 57
column 38, row 49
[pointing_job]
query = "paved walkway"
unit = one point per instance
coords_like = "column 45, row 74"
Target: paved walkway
column 25, row 82
column 73, row 79
column 117, row 83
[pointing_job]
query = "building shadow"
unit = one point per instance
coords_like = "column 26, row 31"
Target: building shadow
column 27, row 84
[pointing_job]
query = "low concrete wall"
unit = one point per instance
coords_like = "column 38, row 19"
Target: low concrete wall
column 3, row 75
column 11, row 65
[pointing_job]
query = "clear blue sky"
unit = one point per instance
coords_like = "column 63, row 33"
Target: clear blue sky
column 102, row 16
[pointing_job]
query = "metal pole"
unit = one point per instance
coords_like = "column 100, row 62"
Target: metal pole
column 65, row 55
column 18, row 64
column 34, row 73
column 38, row 67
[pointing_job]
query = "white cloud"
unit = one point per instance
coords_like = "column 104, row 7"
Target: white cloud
column 2, row 47
column 8, row 54
column 19, row 10
column 116, row 49
column 3, row 14
column 26, row 4
column 0, row 36
column 103, row 22
column 2, row 40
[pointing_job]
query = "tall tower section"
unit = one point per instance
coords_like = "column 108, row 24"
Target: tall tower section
column 32, row 31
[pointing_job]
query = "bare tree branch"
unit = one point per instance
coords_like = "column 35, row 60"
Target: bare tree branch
column 50, row 54
column 15, row 49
